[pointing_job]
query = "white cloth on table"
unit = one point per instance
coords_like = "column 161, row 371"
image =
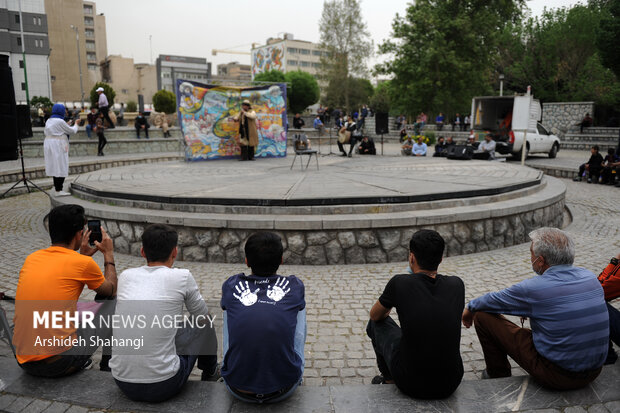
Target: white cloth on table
column 56, row 147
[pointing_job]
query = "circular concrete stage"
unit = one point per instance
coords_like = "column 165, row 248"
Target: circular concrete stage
column 355, row 210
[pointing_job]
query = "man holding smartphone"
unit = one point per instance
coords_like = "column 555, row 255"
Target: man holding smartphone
column 53, row 279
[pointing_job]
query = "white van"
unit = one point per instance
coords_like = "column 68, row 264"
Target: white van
column 493, row 114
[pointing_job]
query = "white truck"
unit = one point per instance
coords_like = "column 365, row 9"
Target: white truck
column 494, row 114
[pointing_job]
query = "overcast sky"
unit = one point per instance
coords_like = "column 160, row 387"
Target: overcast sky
column 195, row 27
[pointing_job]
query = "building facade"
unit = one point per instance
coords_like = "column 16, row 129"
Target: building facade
column 65, row 17
column 287, row 54
column 129, row 79
column 234, row 71
column 170, row 68
column 36, row 45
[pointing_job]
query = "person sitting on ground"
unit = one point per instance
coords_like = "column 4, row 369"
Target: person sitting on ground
column 450, row 141
column 422, row 356
column 568, row 341
column 407, row 147
column 298, row 122
column 91, row 121
column 141, row 124
column 269, row 309
column 317, row 123
column 160, row 369
column 439, row 121
column 610, row 166
column 367, row 147
column 403, row 135
column 419, row 148
column 586, row 122
column 58, row 274
column 471, row 141
column 486, row 149
column 594, row 166
column 441, row 148
column 610, row 281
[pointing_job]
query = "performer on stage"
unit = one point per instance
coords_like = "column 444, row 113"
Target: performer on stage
column 56, row 147
column 248, row 131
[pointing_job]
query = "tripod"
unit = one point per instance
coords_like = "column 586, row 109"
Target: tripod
column 23, row 179
column 330, row 144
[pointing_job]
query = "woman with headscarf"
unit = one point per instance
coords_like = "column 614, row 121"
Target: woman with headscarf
column 56, row 147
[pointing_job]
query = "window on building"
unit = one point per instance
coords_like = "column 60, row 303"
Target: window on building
column 291, row 62
column 124, row 91
column 88, row 9
column 92, row 66
column 291, row 50
column 91, row 56
column 21, row 64
column 316, row 65
column 39, row 22
column 19, row 41
column 17, row 18
column 52, row 78
column 88, row 21
column 90, row 45
column 316, row 53
column 89, row 33
column 34, row 20
column 304, row 64
column 23, row 85
column 304, row 51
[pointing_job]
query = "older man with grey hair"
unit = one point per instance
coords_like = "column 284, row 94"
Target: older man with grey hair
column 568, row 341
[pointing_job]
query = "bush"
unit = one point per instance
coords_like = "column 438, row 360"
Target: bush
column 165, row 101
column 107, row 90
column 132, row 106
column 303, row 90
column 273, row 75
column 42, row 101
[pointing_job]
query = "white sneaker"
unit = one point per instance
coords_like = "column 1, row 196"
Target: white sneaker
column 63, row 193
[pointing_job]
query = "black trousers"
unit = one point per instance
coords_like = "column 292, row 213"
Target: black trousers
column 593, row 171
column 105, row 110
column 58, row 182
column 607, row 176
column 247, row 153
column 102, row 143
column 385, row 336
column 146, row 131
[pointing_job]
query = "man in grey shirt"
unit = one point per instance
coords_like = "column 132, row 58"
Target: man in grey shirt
column 104, row 106
column 155, row 346
column 486, row 150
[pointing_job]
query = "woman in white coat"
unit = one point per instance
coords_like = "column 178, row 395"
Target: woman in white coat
column 56, row 147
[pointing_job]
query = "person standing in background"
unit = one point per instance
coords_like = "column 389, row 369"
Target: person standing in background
column 104, row 106
column 56, row 147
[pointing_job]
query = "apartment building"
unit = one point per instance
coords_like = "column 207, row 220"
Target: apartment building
column 287, row 54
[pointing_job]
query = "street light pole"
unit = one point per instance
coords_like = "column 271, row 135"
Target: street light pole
column 77, row 42
column 501, row 85
column 21, row 30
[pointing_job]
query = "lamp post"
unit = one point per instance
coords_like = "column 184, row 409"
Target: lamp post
column 21, row 32
column 77, row 43
column 501, row 85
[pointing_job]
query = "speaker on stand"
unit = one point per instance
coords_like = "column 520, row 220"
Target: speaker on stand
column 16, row 125
column 381, row 125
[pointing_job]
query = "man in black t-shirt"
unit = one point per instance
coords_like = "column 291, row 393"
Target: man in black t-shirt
column 594, row 166
column 422, row 356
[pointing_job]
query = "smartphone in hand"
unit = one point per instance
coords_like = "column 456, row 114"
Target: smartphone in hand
column 94, row 225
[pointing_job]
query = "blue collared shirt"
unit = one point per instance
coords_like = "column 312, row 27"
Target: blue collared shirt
column 567, row 312
column 419, row 149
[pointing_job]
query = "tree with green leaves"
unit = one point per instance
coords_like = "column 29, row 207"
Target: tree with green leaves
column 303, row 90
column 442, row 53
column 165, row 101
column 347, row 45
column 107, row 90
column 381, row 101
column 42, row 101
column 273, row 75
column 608, row 35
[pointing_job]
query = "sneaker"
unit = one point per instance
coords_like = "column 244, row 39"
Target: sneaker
column 214, row 376
column 381, row 380
column 577, row 179
column 589, row 180
column 350, row 156
column 88, row 364
column 62, row 193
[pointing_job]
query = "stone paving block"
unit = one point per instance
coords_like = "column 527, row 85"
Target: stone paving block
column 19, row 404
column 77, row 409
column 38, row 406
column 58, row 407
column 6, row 400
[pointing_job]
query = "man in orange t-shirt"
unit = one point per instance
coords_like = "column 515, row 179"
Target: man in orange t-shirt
column 53, row 279
column 610, row 281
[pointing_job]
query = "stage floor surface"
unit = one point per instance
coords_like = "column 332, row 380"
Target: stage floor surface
column 339, row 181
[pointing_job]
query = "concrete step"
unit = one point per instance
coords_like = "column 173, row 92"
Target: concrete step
column 118, row 133
column 603, row 145
column 93, row 389
column 573, row 137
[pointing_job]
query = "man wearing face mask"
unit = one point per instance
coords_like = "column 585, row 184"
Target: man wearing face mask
column 568, row 340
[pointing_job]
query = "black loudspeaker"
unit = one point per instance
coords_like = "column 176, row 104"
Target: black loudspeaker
column 8, row 116
column 381, row 123
column 24, row 124
column 462, row 152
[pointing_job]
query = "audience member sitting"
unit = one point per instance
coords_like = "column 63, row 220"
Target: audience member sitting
column 610, row 281
column 568, row 341
column 441, row 148
column 58, row 275
column 162, row 366
column 141, row 124
column 471, row 141
column 594, row 166
column 367, row 147
column 585, row 122
column 419, row 148
column 91, row 120
column 298, row 122
column 610, row 166
column 317, row 123
column 400, row 122
column 407, row 147
column 403, row 135
column 264, row 326
column 450, row 141
column 422, row 356
column 486, row 149
column 439, row 121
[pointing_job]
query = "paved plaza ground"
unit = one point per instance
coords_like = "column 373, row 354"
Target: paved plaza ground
column 339, row 296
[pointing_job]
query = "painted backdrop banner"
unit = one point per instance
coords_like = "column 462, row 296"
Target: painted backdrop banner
column 206, row 115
